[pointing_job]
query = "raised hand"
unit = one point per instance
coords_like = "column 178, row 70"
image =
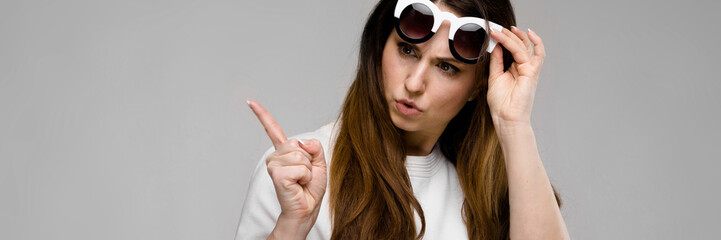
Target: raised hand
column 298, row 171
column 511, row 93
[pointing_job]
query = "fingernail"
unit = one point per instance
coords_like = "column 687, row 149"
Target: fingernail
column 514, row 27
column 248, row 101
column 529, row 30
column 301, row 141
column 494, row 30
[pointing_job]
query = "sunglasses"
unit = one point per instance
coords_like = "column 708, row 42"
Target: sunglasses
column 418, row 20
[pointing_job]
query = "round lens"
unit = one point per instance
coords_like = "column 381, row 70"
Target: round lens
column 416, row 21
column 468, row 40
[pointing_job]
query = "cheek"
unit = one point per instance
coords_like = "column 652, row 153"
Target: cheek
column 451, row 103
column 450, row 100
column 391, row 71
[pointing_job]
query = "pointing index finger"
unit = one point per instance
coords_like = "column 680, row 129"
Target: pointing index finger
column 271, row 127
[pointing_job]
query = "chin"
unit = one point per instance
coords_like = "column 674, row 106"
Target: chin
column 404, row 124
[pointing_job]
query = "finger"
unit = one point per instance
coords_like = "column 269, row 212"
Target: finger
column 539, row 50
column 314, row 147
column 513, row 37
column 495, row 67
column 271, row 127
column 306, row 177
column 277, row 165
column 290, row 175
column 524, row 37
column 520, row 55
column 291, row 159
column 291, row 145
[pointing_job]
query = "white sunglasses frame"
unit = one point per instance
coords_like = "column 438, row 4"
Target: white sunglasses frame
column 456, row 23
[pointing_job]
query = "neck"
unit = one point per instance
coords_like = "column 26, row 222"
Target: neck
column 420, row 143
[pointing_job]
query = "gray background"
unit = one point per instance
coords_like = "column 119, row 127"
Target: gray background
column 127, row 119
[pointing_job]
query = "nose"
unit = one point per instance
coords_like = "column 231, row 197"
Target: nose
column 415, row 83
column 420, row 75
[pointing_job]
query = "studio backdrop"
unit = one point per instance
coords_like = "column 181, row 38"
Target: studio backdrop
column 127, row 119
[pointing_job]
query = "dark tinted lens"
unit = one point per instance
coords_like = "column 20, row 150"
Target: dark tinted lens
column 468, row 40
column 416, row 21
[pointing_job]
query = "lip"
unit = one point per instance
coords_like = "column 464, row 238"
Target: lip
column 403, row 106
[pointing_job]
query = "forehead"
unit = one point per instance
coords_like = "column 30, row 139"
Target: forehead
column 445, row 8
column 445, row 25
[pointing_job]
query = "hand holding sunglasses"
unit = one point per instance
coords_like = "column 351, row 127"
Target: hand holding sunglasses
column 511, row 93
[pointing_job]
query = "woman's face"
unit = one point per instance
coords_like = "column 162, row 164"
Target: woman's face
column 427, row 75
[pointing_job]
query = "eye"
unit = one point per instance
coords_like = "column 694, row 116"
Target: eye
column 448, row 68
column 406, row 49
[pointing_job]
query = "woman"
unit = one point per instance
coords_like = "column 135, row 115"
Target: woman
column 433, row 141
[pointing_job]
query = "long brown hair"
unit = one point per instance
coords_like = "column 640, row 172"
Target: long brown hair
column 370, row 191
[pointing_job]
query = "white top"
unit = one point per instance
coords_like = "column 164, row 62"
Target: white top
column 433, row 179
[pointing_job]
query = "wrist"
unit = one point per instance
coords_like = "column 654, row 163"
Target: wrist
column 510, row 126
column 507, row 130
column 291, row 228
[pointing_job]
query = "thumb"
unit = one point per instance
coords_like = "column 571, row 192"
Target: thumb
column 315, row 149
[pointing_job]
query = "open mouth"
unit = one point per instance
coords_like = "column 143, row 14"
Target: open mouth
column 407, row 109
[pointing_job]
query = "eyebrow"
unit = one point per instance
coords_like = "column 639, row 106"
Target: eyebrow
column 445, row 59
column 452, row 60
